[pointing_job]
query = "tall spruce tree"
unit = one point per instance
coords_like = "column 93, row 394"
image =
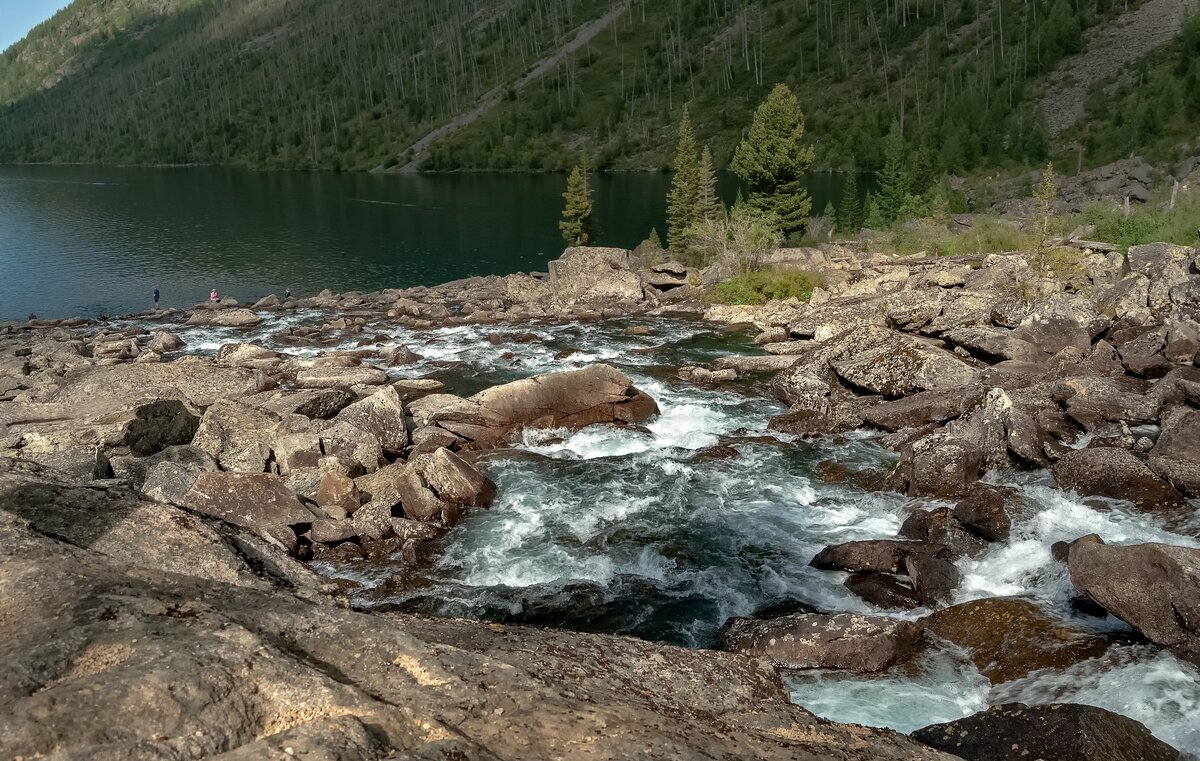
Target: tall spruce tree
column 683, row 200
column 576, row 224
column 849, row 209
column 709, row 202
column 893, row 180
column 772, row 160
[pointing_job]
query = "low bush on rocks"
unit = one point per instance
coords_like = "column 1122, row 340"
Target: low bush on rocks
column 764, row 285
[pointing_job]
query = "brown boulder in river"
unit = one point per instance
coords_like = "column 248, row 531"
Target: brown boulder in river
column 1007, row 638
column 1176, row 454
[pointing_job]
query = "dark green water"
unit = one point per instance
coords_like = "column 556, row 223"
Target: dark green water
column 97, row 240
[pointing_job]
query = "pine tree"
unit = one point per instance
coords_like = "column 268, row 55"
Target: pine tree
column 772, row 160
column 709, row 202
column 922, row 172
column 849, row 209
column 576, row 221
column 893, row 179
column 683, row 200
column 874, row 218
column 1047, row 191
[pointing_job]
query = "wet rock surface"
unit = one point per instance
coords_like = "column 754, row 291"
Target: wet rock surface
column 1009, row 638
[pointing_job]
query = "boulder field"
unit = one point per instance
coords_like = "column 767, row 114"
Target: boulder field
column 159, row 507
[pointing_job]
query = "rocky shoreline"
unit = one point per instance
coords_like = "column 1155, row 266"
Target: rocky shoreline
column 162, row 503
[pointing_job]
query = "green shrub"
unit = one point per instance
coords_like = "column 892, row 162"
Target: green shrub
column 762, row 286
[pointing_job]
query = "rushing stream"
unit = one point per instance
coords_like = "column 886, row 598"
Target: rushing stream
column 666, row 531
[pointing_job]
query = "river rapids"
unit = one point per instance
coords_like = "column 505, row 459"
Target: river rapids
column 665, row 531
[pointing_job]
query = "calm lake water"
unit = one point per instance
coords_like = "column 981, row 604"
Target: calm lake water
column 97, row 240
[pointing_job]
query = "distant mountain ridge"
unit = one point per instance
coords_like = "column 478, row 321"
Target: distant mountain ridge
column 529, row 84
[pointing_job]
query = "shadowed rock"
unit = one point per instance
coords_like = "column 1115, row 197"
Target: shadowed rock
column 160, row 424
column 1153, row 587
column 882, row 590
column 1056, row 732
column 1116, row 474
column 924, row 408
column 983, row 512
column 1176, row 454
column 879, row 555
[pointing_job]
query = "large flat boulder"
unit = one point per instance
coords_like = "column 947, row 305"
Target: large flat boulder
column 340, row 377
column 225, row 318
column 839, row 641
column 99, row 389
column 591, row 274
column 572, row 399
column 1153, row 587
column 904, row 366
column 258, row 502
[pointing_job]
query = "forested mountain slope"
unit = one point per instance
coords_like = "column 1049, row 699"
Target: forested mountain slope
column 526, row 84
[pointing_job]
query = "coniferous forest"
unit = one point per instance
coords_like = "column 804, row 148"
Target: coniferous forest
column 357, row 84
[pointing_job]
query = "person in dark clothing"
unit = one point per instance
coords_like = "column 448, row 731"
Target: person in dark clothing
column 156, row 298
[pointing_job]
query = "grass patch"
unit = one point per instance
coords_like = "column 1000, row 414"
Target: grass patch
column 765, row 285
column 1147, row 225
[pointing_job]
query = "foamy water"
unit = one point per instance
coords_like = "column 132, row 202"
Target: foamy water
column 650, row 531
